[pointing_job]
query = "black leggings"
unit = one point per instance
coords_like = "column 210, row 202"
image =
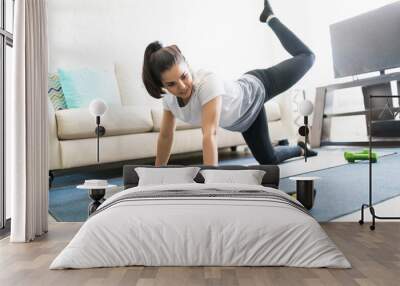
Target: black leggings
column 276, row 80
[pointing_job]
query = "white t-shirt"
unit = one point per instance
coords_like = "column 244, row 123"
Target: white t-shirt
column 242, row 100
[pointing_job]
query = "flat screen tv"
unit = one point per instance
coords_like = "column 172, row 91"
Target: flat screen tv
column 367, row 43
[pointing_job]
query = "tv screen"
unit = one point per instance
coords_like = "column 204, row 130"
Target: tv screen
column 367, row 43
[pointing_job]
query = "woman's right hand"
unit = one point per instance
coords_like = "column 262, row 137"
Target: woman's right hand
column 165, row 138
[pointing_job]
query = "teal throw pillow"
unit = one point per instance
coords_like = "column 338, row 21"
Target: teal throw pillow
column 82, row 85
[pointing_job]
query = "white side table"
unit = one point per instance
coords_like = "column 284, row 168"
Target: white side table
column 96, row 194
column 305, row 192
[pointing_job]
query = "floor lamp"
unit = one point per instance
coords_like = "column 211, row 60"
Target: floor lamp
column 97, row 108
column 305, row 109
column 305, row 191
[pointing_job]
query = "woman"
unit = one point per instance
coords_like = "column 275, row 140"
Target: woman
column 201, row 98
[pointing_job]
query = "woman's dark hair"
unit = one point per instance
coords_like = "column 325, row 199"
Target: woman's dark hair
column 158, row 59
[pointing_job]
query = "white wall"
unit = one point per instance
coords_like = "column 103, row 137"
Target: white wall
column 310, row 19
column 223, row 36
column 229, row 43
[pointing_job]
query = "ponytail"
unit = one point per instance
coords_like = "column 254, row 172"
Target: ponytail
column 157, row 60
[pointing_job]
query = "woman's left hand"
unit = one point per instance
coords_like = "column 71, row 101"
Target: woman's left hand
column 209, row 125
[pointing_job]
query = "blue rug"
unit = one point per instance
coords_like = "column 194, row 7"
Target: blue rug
column 340, row 191
column 69, row 204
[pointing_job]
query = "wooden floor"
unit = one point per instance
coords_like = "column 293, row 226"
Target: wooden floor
column 375, row 257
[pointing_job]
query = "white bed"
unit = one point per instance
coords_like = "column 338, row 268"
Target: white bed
column 201, row 225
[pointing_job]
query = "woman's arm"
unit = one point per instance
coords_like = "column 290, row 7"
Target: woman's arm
column 210, row 120
column 165, row 138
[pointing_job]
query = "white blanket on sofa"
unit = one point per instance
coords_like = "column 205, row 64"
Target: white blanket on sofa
column 201, row 224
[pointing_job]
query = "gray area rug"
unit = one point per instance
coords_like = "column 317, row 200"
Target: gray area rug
column 342, row 190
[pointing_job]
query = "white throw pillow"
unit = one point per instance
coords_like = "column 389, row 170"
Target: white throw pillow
column 165, row 176
column 248, row 177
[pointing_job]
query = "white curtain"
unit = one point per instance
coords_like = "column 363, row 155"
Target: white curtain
column 29, row 121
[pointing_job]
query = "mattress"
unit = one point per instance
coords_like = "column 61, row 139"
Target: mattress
column 201, row 225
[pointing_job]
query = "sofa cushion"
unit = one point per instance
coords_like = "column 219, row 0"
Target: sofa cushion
column 78, row 123
column 157, row 114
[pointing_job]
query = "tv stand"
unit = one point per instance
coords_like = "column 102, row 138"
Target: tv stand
column 323, row 107
column 370, row 205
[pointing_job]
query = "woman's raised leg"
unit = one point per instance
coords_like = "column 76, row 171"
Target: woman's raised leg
column 284, row 75
column 276, row 80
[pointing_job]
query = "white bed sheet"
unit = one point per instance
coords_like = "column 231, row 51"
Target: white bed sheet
column 200, row 232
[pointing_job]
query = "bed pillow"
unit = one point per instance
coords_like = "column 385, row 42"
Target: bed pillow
column 82, row 85
column 166, row 176
column 248, row 177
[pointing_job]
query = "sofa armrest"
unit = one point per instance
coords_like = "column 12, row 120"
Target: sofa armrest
column 54, row 144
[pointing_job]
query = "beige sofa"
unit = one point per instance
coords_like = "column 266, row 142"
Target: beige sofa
column 131, row 133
